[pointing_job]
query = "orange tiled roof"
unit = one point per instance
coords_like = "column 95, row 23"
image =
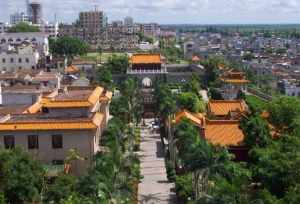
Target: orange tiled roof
column 107, row 96
column 25, row 125
column 197, row 119
column 224, row 133
column 236, row 81
column 196, row 59
column 34, row 108
column 72, row 69
column 224, row 107
column 146, row 59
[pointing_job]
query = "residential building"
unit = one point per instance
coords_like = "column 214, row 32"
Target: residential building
column 65, row 120
column 18, row 18
column 38, row 39
column 23, row 56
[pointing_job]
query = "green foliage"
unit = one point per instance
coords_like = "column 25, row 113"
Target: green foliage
column 191, row 102
column 165, row 100
column 276, row 166
column 23, row 27
column 193, row 85
column 171, row 173
column 104, row 78
column 21, row 177
column 211, row 70
column 2, row 198
column 117, row 64
column 62, row 188
column 255, row 104
column 284, row 111
column 256, row 130
column 215, row 94
column 184, row 187
column 67, row 46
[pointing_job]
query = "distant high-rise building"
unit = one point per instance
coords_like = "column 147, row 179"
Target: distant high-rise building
column 128, row 21
column 18, row 18
column 34, row 8
column 92, row 20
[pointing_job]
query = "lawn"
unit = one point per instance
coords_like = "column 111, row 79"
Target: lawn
column 94, row 56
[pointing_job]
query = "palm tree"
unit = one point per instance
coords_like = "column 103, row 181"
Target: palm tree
column 204, row 160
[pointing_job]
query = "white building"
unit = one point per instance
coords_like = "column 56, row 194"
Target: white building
column 18, row 18
column 4, row 27
column 19, row 57
column 40, row 40
column 49, row 28
column 291, row 87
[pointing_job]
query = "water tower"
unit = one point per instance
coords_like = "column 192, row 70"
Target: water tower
column 34, row 8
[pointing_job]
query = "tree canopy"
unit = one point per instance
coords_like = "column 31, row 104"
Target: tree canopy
column 67, row 46
column 191, row 102
column 23, row 27
column 117, row 64
column 21, row 177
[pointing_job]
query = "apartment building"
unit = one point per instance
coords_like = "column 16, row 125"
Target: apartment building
column 23, row 56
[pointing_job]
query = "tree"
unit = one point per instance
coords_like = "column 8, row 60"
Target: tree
column 193, row 85
column 104, row 78
column 23, row 27
column 256, row 130
column 284, row 111
column 117, row 64
column 191, row 102
column 62, row 188
column 67, row 46
column 21, row 177
column 276, row 166
column 100, row 51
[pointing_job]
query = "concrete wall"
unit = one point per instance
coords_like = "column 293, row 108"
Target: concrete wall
column 86, row 142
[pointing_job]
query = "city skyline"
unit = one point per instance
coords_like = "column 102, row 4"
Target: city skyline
column 169, row 11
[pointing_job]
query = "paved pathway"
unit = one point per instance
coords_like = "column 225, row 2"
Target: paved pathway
column 154, row 187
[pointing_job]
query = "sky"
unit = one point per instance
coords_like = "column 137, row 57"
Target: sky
column 169, row 11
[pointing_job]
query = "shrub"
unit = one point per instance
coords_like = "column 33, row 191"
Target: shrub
column 171, row 173
column 184, row 187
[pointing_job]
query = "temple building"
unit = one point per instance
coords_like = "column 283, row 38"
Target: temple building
column 225, row 133
column 227, row 109
column 65, row 120
column 233, row 83
column 146, row 63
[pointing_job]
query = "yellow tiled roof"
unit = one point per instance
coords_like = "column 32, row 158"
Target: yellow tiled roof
column 146, row 59
column 223, row 107
column 236, row 81
column 224, row 133
column 53, row 124
column 107, row 97
column 72, row 69
column 34, row 108
column 197, row 119
column 94, row 97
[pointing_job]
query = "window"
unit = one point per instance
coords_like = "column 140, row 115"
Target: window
column 3, row 60
column 33, row 142
column 57, row 141
column 12, row 60
column 9, row 141
column 20, row 60
column 27, row 60
column 58, row 162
